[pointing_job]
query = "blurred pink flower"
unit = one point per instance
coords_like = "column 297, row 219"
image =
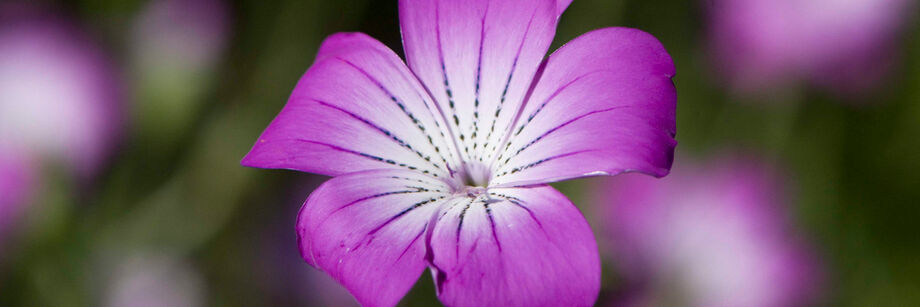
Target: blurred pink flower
column 712, row 235
column 58, row 97
column 182, row 34
column 154, row 280
column 846, row 45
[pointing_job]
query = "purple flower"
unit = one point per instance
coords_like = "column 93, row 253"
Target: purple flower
column 711, row 235
column 57, row 93
column 443, row 164
column 846, row 45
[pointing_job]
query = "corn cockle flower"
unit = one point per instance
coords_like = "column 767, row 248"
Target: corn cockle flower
column 58, row 97
column 708, row 235
column 443, row 164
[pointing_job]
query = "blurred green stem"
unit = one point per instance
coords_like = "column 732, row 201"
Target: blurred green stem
column 783, row 119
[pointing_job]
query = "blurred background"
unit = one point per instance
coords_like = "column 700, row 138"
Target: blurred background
column 122, row 123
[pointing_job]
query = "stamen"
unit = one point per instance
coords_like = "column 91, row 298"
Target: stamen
column 475, row 174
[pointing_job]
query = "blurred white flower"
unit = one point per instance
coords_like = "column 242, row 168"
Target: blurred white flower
column 185, row 35
column 149, row 280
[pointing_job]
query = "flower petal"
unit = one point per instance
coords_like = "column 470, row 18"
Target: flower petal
column 357, row 108
column 366, row 230
column 561, row 5
column 478, row 59
column 605, row 104
column 526, row 247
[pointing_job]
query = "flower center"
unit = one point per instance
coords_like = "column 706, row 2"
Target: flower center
column 474, row 192
column 473, row 176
